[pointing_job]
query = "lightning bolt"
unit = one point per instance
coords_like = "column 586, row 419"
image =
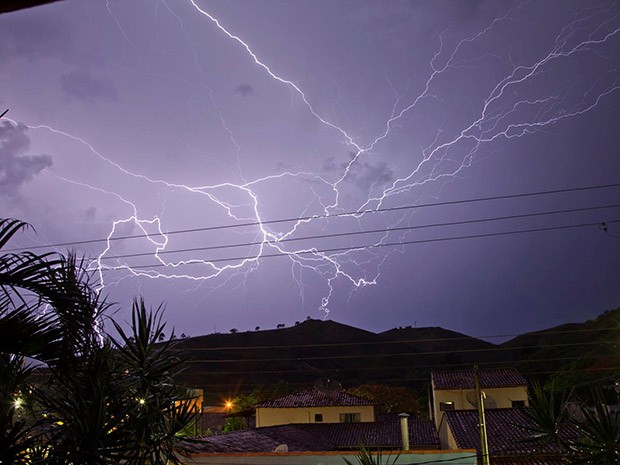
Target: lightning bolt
column 504, row 113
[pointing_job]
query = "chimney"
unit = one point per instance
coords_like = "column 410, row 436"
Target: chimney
column 404, row 429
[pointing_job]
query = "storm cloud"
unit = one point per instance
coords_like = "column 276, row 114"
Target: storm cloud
column 245, row 90
column 34, row 36
column 81, row 85
column 16, row 167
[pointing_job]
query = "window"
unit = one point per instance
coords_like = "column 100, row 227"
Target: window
column 350, row 417
column 318, row 417
column 518, row 403
column 445, row 406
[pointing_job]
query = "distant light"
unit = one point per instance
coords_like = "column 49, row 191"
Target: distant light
column 229, row 404
column 142, row 401
column 60, row 423
column 19, row 403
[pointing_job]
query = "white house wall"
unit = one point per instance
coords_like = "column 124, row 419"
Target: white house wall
column 285, row 416
column 460, row 457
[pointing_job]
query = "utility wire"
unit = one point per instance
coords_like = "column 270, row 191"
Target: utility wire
column 335, row 215
column 541, row 332
column 603, row 227
column 361, row 247
column 401, row 354
column 435, row 367
column 371, row 231
column 427, row 379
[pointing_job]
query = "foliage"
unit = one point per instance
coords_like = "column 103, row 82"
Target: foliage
column 546, row 414
column 234, row 424
column 260, row 393
column 106, row 399
column 599, row 440
column 391, row 399
column 589, row 435
column 365, row 457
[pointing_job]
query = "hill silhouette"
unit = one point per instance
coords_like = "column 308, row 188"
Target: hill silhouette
column 228, row 364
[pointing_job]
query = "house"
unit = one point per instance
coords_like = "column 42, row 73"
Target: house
column 314, row 406
column 458, row 457
column 455, row 390
column 509, row 437
column 193, row 398
column 323, row 437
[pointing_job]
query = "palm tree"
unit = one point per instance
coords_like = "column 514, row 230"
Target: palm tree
column 547, row 416
column 599, row 428
column 107, row 400
column 591, row 435
column 24, row 287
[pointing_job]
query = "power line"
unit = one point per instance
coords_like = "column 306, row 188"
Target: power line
column 400, row 354
column 402, row 341
column 426, row 379
column 335, row 215
column 364, row 247
column 435, row 367
column 372, row 231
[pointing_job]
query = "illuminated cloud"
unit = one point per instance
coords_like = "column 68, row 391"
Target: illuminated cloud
column 16, row 167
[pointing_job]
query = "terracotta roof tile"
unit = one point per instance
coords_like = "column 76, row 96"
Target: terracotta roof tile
column 321, row 437
column 261, row 440
column 506, row 431
column 314, row 398
column 464, row 379
column 384, row 434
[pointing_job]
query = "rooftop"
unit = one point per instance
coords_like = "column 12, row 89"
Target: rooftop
column 464, row 379
column 314, row 398
column 317, row 437
column 507, row 432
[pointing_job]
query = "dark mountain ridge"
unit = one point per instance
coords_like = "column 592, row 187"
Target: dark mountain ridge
column 227, row 364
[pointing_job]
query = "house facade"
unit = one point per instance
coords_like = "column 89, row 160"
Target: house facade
column 455, row 390
column 459, row 457
column 313, row 406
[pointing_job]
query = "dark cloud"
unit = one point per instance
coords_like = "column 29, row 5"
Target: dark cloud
column 81, row 85
column 35, row 35
column 363, row 174
column 90, row 213
column 16, row 168
column 245, row 90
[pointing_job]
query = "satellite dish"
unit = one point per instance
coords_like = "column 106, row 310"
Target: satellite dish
column 281, row 448
column 472, row 398
column 327, row 386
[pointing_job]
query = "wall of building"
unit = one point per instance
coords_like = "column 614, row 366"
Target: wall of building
column 285, row 416
column 458, row 457
column 446, row 438
column 496, row 398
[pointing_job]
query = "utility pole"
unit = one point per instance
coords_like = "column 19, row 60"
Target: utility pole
column 484, row 443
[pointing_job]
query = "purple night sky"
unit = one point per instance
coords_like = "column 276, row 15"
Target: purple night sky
column 138, row 117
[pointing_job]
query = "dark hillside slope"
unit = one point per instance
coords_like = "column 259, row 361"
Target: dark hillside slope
column 227, row 364
column 570, row 354
column 299, row 355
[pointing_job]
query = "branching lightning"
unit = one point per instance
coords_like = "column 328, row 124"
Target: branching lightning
column 503, row 114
